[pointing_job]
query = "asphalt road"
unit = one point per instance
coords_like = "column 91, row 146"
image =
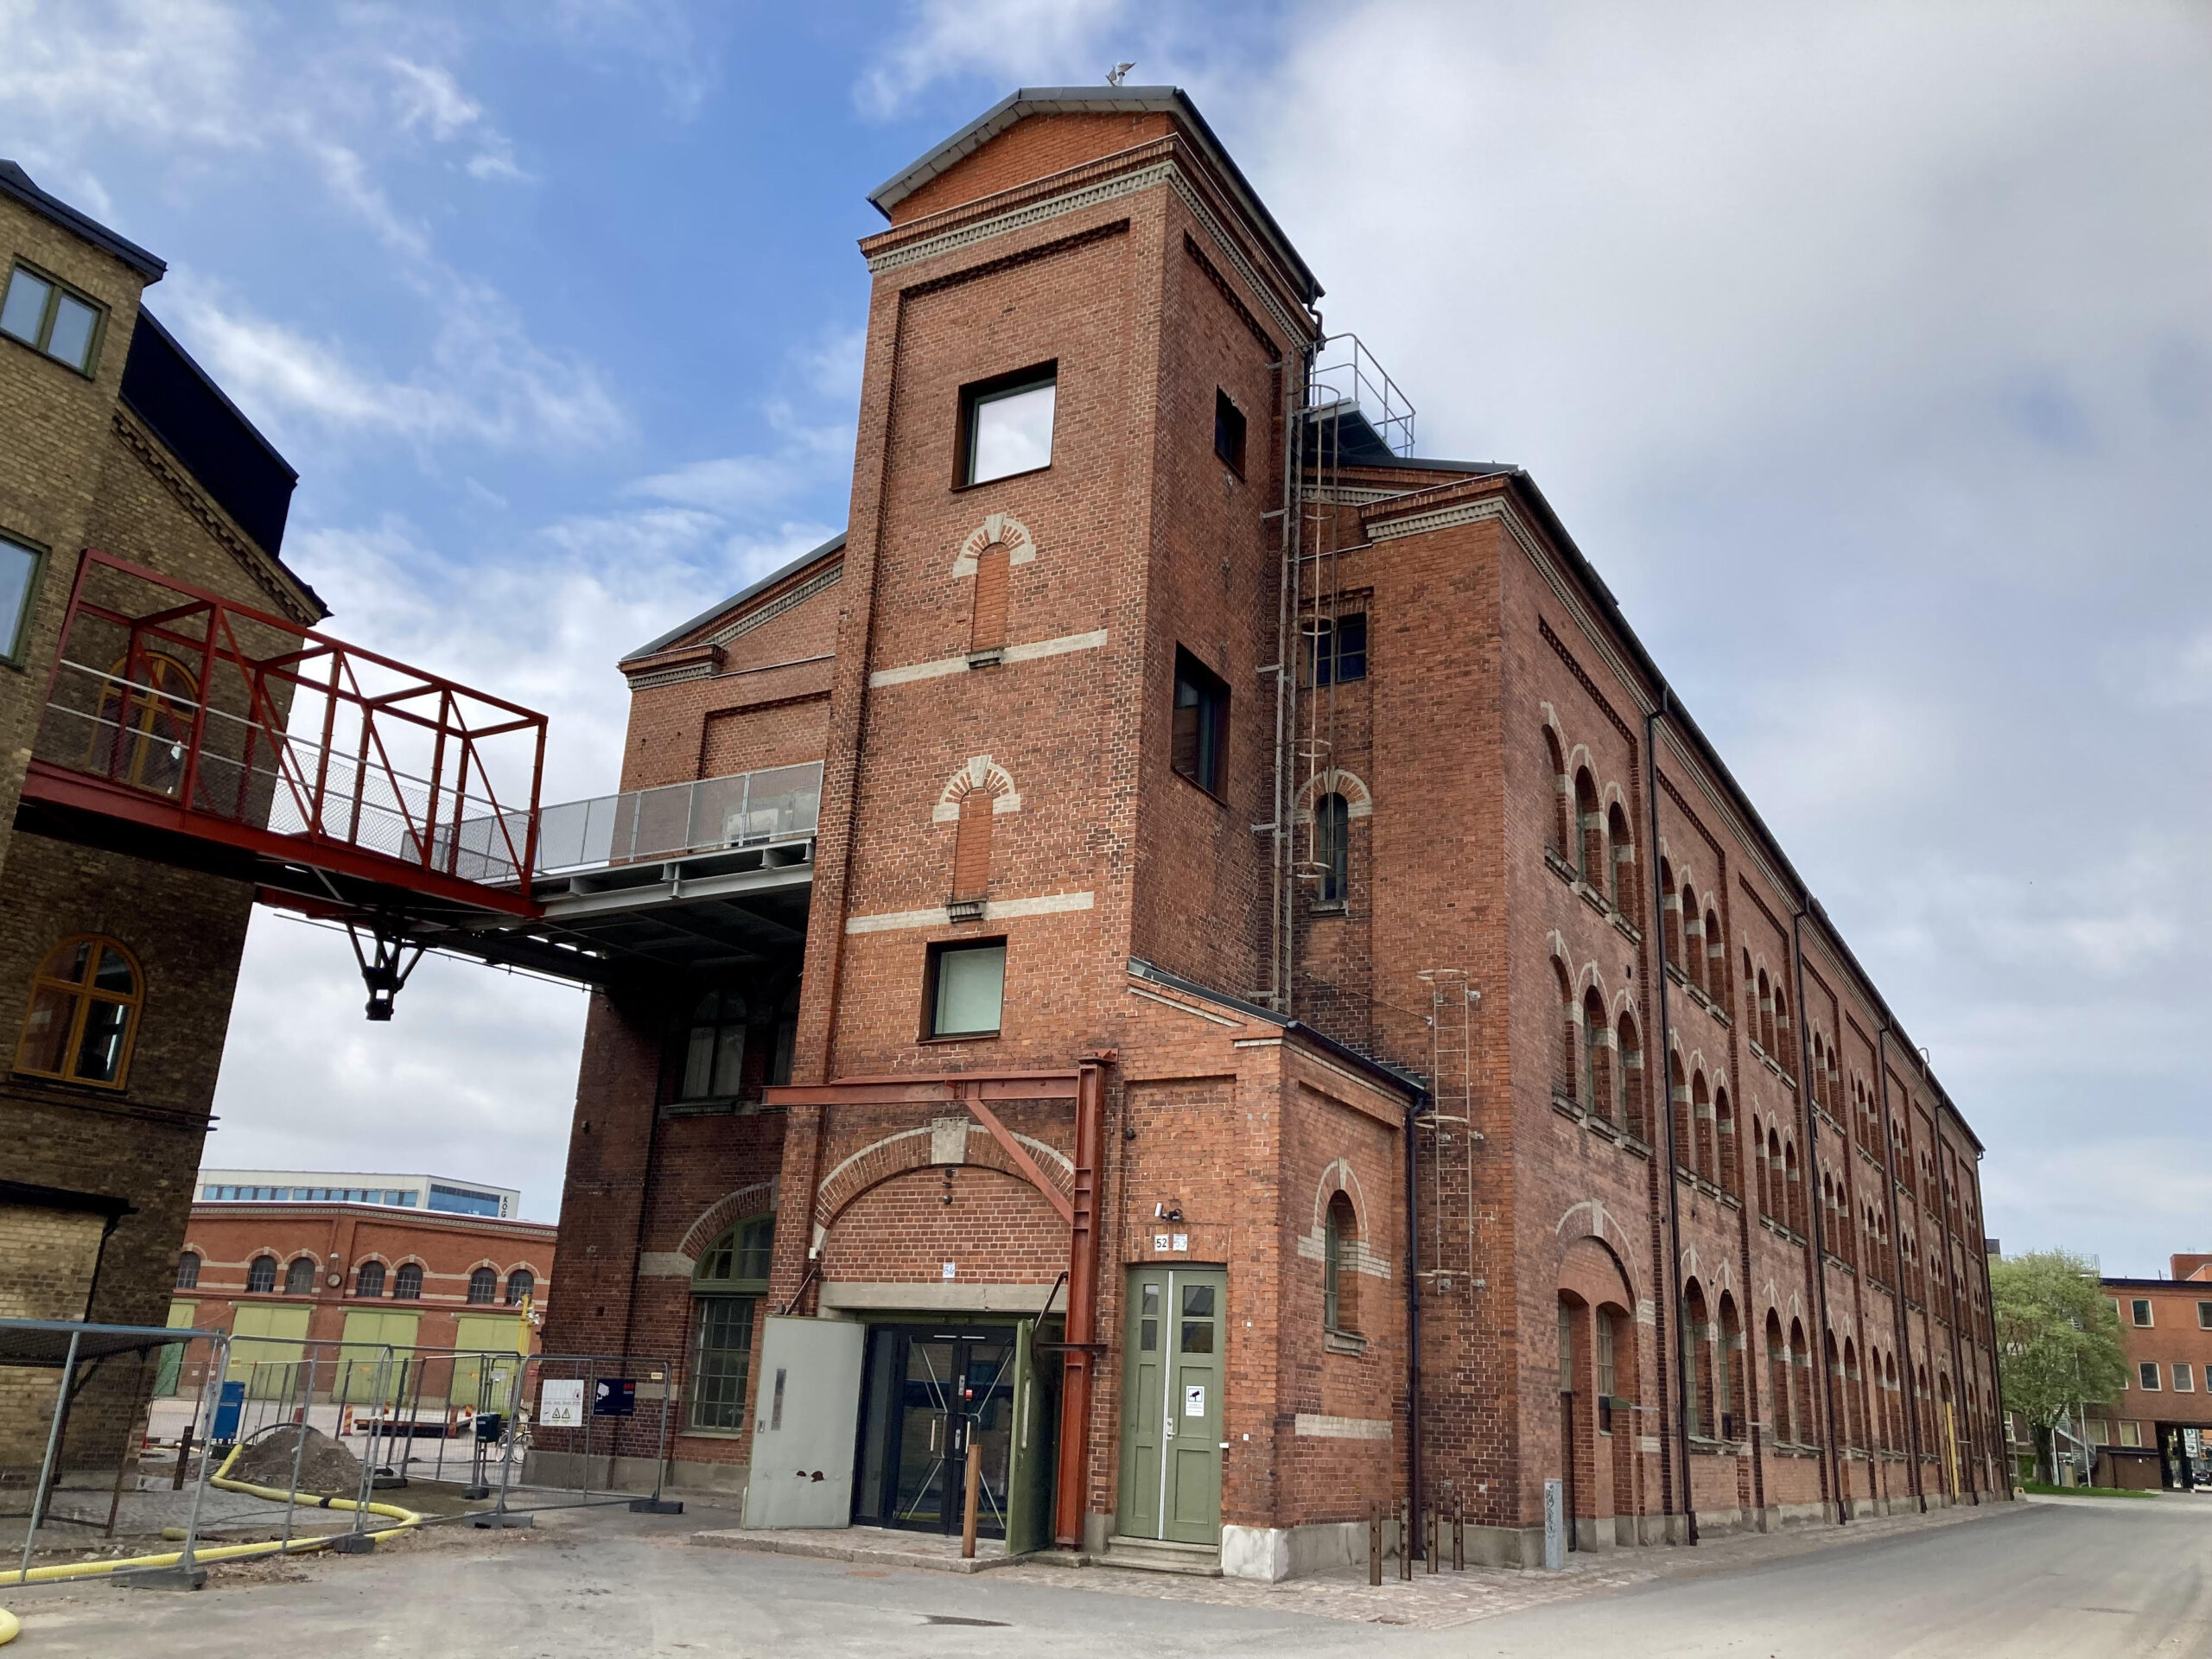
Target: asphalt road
column 2076, row 1577
column 2057, row 1578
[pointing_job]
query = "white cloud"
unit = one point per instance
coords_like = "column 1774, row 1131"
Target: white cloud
column 1055, row 40
column 728, row 484
column 176, row 71
column 485, row 380
column 429, row 96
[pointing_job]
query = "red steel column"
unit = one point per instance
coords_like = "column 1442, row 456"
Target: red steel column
column 1082, row 1308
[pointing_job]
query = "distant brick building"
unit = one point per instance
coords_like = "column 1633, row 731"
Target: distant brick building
column 2157, row 1431
column 1244, row 993
column 115, row 973
column 281, row 1274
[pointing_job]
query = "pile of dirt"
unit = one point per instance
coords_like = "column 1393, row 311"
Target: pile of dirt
column 326, row 1467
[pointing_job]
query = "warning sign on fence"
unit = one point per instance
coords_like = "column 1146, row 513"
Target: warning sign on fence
column 561, row 1402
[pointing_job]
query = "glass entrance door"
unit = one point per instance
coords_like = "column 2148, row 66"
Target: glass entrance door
column 928, row 1394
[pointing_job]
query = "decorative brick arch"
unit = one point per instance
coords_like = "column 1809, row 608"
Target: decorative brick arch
column 1589, row 1220
column 907, row 1150
column 977, row 772
column 725, row 1213
column 1358, row 803
column 1338, row 1176
column 1002, row 528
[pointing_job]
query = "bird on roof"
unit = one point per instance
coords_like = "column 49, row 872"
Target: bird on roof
column 1118, row 74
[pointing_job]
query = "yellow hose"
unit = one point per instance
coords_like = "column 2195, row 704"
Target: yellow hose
column 9, row 1627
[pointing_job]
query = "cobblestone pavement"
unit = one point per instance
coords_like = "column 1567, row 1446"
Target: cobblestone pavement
column 1443, row 1599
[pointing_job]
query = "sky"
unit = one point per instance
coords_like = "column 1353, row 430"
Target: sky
column 1866, row 348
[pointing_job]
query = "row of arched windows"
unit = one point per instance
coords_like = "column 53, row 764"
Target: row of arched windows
column 1589, row 836
column 370, row 1279
column 1600, row 1066
column 1696, row 944
column 1781, row 1192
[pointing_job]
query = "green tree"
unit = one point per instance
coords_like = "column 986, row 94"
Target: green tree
column 2058, row 1339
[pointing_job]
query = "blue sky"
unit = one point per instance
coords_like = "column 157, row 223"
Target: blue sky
column 1867, row 350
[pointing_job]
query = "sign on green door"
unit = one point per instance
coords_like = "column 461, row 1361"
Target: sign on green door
column 1171, row 1405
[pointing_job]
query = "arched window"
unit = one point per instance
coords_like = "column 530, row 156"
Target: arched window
column 1854, row 1395
column 986, row 624
column 714, row 1047
column 483, row 1285
column 1562, row 798
column 1693, row 940
column 1678, row 1096
column 1332, row 847
column 1597, row 1079
column 1777, row 1379
column 1340, row 1277
column 1716, row 959
column 1732, row 1415
column 187, row 1270
column 1779, row 1045
column 407, row 1283
column 1724, row 1132
column 1777, row 1179
column 144, row 722
column 1570, row 1038
column 1759, row 1169
column 1629, row 1052
column 261, row 1275
column 1793, row 1191
column 731, row 1277
column 299, row 1276
column 1764, row 1031
column 1621, row 865
column 1697, row 1362
column 1800, row 1371
column 368, row 1279
column 1589, row 842
column 971, row 845
column 83, row 1015
column 1670, row 917
column 520, row 1283
column 1708, row 1163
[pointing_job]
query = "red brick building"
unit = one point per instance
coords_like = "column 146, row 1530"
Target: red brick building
column 280, row 1275
column 2158, row 1430
column 1201, row 1031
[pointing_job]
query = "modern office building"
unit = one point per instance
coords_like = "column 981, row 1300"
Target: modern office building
column 1194, row 948
column 401, row 1191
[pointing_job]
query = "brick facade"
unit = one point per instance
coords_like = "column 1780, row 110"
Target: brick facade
column 80, row 467
column 1500, row 766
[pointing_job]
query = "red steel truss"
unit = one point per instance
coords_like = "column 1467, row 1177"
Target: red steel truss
column 181, row 725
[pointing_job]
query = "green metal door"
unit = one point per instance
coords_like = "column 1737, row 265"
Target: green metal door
column 1171, row 1405
column 1029, row 1472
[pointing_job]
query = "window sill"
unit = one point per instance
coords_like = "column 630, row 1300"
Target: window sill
column 1219, row 800
column 1328, row 907
column 960, row 1037
column 962, row 489
column 1559, row 866
column 1628, row 929
column 711, row 1433
column 989, row 659
column 1343, row 1342
column 71, row 1086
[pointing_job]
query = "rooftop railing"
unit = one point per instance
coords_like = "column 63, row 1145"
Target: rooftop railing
column 746, row 809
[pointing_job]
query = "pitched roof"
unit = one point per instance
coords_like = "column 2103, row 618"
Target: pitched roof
column 16, row 184
column 1097, row 100
column 835, row 544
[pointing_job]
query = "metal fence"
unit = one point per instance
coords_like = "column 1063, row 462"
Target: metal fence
column 206, row 1427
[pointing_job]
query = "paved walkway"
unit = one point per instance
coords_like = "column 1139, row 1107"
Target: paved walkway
column 1444, row 1599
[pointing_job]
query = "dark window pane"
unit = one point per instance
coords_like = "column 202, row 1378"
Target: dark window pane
column 18, row 565
column 1198, row 1301
column 724, row 1351
column 407, row 1283
column 520, row 1283
column 262, row 1275
column 99, row 1056
column 1198, row 1336
column 45, row 1031
column 1148, row 1336
column 1229, row 432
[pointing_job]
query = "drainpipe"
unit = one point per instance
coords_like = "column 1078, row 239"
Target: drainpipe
column 1995, row 1411
column 1412, row 1331
column 1812, row 1160
column 1896, row 1265
column 1665, row 1103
